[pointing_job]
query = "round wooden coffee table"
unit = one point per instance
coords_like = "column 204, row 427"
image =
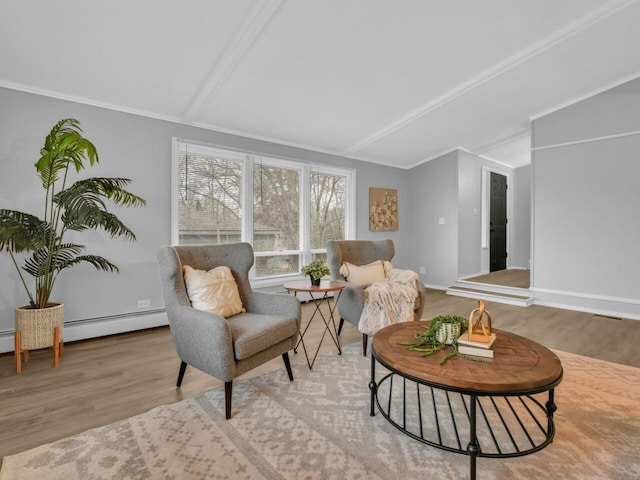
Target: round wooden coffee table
column 496, row 406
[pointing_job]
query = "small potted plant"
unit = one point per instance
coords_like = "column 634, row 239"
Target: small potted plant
column 316, row 270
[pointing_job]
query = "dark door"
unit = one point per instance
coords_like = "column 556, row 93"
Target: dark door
column 498, row 223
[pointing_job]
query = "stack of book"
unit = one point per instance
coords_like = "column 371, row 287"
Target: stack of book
column 477, row 349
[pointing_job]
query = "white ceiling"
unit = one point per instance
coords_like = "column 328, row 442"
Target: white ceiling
column 391, row 82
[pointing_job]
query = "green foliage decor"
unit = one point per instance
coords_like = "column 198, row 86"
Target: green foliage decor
column 316, row 269
column 428, row 343
column 67, row 207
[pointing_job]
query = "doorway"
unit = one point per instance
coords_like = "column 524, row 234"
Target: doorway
column 497, row 222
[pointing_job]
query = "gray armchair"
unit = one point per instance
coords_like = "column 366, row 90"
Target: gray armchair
column 361, row 252
column 226, row 348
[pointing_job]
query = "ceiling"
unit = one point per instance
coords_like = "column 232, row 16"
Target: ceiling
column 390, row 82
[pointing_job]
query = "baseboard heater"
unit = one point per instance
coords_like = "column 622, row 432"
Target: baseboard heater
column 82, row 329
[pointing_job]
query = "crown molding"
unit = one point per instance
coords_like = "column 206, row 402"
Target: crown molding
column 586, row 96
column 244, row 39
column 558, row 37
column 86, row 101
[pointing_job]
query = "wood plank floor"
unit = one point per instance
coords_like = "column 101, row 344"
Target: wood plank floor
column 512, row 277
column 103, row 380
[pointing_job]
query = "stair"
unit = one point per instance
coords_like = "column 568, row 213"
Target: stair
column 492, row 293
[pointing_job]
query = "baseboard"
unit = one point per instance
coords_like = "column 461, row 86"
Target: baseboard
column 435, row 287
column 99, row 327
column 609, row 306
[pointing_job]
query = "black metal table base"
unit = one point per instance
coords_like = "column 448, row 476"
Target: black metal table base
column 464, row 421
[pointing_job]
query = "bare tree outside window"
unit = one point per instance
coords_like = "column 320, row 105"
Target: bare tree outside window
column 276, row 218
column 210, row 191
column 327, row 208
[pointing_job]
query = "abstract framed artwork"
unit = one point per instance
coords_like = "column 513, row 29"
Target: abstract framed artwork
column 383, row 209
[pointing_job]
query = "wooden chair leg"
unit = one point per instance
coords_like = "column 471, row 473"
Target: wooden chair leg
column 227, row 398
column 287, row 365
column 183, row 368
column 17, row 351
column 365, row 337
column 56, row 346
column 25, row 356
column 61, row 347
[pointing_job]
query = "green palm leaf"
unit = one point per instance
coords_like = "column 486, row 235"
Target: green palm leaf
column 83, row 207
column 20, row 231
column 79, row 207
column 63, row 146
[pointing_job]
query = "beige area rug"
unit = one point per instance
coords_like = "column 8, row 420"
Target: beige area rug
column 318, row 427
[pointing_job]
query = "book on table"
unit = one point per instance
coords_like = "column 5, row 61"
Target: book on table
column 464, row 340
column 475, row 351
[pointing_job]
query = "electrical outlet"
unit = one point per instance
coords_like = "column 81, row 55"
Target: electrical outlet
column 144, row 303
column 422, row 270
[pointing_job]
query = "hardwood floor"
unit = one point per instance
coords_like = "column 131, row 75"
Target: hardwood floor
column 103, row 380
column 509, row 278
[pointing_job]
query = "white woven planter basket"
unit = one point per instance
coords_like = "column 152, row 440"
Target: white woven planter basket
column 36, row 325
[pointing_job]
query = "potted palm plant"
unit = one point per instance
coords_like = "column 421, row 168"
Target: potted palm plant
column 68, row 207
column 316, row 270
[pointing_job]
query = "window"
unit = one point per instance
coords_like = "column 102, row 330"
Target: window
column 286, row 209
column 276, row 219
column 210, row 197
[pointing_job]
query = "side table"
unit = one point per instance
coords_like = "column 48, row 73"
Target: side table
column 325, row 287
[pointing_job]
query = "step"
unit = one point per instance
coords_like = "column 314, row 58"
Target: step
column 492, row 293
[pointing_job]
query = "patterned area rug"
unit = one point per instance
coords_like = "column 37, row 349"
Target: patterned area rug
column 318, row 427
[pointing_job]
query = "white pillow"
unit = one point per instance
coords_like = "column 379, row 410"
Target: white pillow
column 214, row 291
column 363, row 275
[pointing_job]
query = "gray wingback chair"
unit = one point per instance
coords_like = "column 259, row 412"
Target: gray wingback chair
column 226, row 348
column 361, row 252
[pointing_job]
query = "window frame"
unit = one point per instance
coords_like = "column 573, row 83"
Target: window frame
column 249, row 159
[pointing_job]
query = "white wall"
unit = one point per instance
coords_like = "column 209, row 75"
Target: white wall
column 586, row 199
column 138, row 148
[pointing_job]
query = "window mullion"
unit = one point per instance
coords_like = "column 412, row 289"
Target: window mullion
column 305, row 214
column 247, row 206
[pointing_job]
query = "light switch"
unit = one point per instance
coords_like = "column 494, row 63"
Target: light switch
column 441, row 221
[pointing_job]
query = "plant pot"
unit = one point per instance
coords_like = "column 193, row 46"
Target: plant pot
column 36, row 325
column 315, row 281
column 447, row 332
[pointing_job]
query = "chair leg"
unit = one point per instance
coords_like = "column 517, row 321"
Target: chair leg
column 365, row 337
column 340, row 325
column 183, row 368
column 287, row 365
column 227, row 398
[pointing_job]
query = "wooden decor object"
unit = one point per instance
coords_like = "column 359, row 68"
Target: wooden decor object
column 383, row 209
column 478, row 330
column 58, row 349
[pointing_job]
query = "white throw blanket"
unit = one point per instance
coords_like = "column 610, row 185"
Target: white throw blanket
column 390, row 301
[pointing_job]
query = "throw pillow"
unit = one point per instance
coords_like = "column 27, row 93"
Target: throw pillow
column 214, row 291
column 363, row 275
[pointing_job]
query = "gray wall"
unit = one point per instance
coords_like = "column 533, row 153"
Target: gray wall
column 586, row 227
column 521, row 252
column 469, row 214
column 139, row 148
column 450, row 188
column 433, row 195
